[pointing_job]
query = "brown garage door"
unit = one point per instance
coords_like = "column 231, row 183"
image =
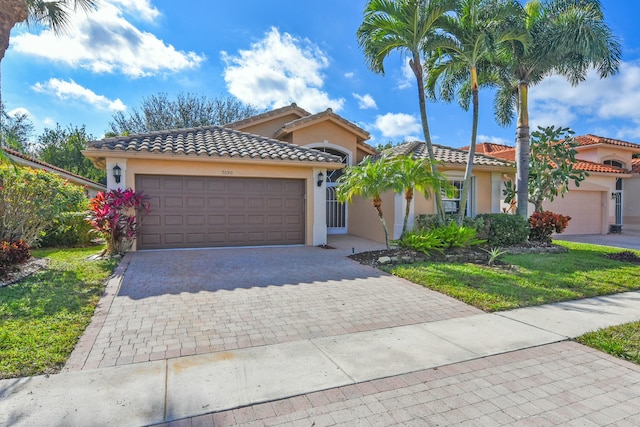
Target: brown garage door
column 191, row 212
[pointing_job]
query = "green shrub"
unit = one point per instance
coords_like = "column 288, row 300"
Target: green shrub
column 33, row 201
column 440, row 238
column 70, row 229
column 502, row 229
column 12, row 254
column 544, row 224
column 430, row 221
column 423, row 241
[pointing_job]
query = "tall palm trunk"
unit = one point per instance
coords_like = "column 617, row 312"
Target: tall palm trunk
column 418, row 71
column 11, row 13
column 377, row 204
column 523, row 153
column 408, row 197
column 464, row 197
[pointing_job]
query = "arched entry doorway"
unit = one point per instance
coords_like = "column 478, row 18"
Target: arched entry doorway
column 336, row 211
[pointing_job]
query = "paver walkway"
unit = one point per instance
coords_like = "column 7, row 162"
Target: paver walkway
column 181, row 303
column 510, row 368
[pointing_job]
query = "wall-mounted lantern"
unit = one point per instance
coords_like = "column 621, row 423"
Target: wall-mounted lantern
column 117, row 172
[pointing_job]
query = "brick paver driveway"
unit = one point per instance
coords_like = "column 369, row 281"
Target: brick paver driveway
column 177, row 303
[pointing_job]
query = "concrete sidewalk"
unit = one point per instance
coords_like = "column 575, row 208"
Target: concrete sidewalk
column 160, row 391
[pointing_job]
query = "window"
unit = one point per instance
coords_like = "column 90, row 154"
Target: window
column 451, row 202
column 615, row 163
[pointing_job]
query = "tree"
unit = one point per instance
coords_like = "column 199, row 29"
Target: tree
column 553, row 166
column 407, row 26
column 471, row 38
column 568, row 37
column 369, row 179
column 187, row 110
column 17, row 129
column 50, row 14
column 63, row 148
column 413, row 174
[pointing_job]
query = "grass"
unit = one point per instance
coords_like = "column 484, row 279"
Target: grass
column 621, row 341
column 538, row 279
column 43, row 316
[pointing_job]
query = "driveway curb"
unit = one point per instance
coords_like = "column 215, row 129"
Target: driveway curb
column 78, row 359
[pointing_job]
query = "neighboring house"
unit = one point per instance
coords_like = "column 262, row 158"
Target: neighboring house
column 268, row 180
column 608, row 198
column 91, row 187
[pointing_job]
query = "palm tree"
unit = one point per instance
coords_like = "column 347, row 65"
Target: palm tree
column 568, row 37
column 471, row 38
column 369, row 179
column 51, row 14
column 415, row 174
column 407, row 26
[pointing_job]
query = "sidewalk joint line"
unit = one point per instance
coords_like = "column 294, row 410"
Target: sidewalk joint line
column 332, row 361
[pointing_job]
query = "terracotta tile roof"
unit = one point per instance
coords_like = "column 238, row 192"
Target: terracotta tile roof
column 211, row 141
column 328, row 114
column 446, row 154
column 587, row 166
column 293, row 108
column 635, row 165
column 489, row 148
column 598, row 167
column 594, row 139
column 33, row 162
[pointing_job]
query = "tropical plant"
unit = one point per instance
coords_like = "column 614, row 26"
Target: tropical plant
column 406, row 26
column 552, row 166
column 422, row 241
column 32, row 201
column 369, row 179
column 13, row 254
column 415, row 175
column 544, row 224
column 456, row 236
column 469, row 44
column 116, row 215
column 494, row 254
column 567, row 37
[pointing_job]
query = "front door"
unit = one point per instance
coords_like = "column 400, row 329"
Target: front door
column 618, row 200
column 336, row 211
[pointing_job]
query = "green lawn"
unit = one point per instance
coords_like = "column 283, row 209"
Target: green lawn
column 621, row 341
column 538, row 278
column 43, row 316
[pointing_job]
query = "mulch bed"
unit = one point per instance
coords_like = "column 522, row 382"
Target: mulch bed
column 625, row 256
column 23, row 270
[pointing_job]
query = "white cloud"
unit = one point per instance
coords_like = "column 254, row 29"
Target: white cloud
column 278, row 70
column 141, row 8
column 394, row 125
column 72, row 90
column 20, row 111
column 492, row 140
column 408, row 78
column 365, row 101
column 349, row 75
column 103, row 41
column 49, row 122
column 555, row 102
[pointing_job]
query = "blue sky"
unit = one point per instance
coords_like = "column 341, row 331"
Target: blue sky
column 272, row 53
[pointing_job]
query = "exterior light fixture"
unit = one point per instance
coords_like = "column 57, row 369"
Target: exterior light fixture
column 320, row 179
column 117, row 173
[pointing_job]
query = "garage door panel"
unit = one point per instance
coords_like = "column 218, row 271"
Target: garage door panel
column 221, row 211
column 172, row 202
column 584, row 208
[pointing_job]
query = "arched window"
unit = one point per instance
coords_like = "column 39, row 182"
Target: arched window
column 332, row 176
column 615, row 163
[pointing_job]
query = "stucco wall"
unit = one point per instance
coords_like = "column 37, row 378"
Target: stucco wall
column 267, row 128
column 363, row 219
column 326, row 131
